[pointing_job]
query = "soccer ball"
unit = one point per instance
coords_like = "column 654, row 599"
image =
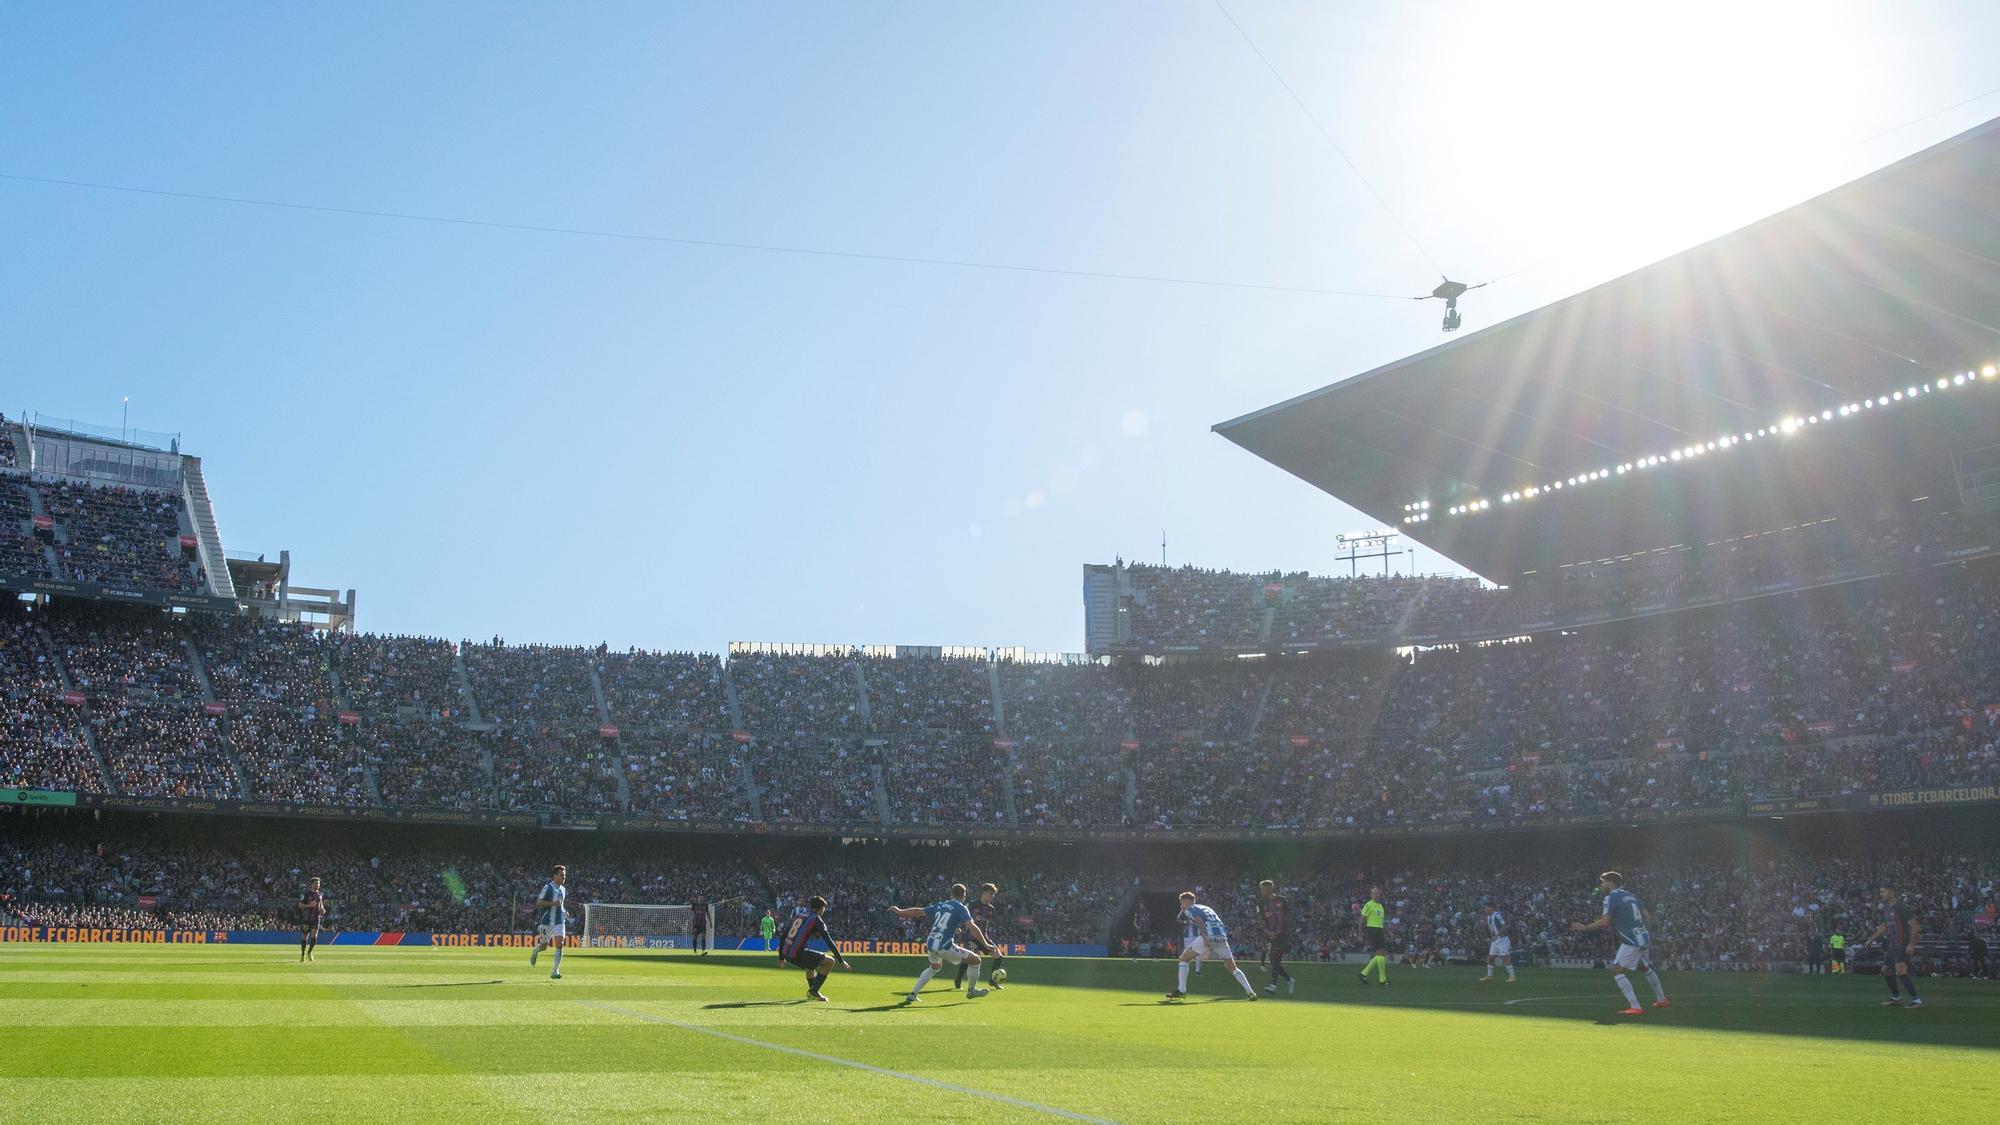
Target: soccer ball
column 999, row 976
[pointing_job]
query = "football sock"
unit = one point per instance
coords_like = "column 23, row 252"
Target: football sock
column 1510, row 972
column 1890, row 980
column 924, row 978
column 1625, row 986
column 1653, row 980
column 557, row 966
column 972, row 978
column 1244, row 980
column 1489, row 970
column 1184, row 972
column 1910, row 986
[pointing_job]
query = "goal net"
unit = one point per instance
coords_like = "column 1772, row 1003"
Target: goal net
column 631, row 925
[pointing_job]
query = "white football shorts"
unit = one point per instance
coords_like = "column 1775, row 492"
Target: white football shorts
column 1629, row 956
column 1500, row 947
column 955, row 954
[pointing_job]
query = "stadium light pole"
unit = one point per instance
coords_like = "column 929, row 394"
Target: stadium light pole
column 1356, row 544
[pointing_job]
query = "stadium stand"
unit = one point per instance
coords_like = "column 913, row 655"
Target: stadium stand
column 20, row 551
column 928, row 693
column 428, row 764
column 1710, row 909
column 567, row 771
column 796, row 694
column 685, row 777
column 388, row 675
column 119, row 536
column 665, row 690
column 532, row 683
column 1860, row 688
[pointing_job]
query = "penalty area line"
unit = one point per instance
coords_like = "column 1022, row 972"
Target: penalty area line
column 851, row 1064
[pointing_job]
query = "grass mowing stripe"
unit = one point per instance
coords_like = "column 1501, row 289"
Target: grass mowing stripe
column 989, row 1095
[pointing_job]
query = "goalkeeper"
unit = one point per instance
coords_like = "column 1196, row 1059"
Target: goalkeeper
column 798, row 953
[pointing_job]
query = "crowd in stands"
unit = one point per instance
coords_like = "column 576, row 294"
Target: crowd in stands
column 113, row 651
column 943, row 780
column 1063, row 785
column 1703, row 911
column 164, row 749
column 383, row 675
column 929, row 693
column 20, row 551
column 264, row 661
column 1711, row 903
column 298, row 754
column 531, row 684
column 1858, row 688
column 1179, row 608
column 661, row 690
column 118, row 536
column 815, row 780
column 427, row 763
column 685, row 777
column 8, row 457
column 571, row 771
column 1075, row 702
column 789, row 694
column 1212, row 700
column 71, row 871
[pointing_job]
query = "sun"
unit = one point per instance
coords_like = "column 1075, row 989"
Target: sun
column 1619, row 133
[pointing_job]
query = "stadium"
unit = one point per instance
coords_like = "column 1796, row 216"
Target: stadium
column 1726, row 628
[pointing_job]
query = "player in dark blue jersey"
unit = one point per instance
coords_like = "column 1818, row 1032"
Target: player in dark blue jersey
column 1898, row 935
column 942, row 921
column 1277, row 936
column 312, row 912
column 796, row 948
column 1625, row 917
column 983, row 912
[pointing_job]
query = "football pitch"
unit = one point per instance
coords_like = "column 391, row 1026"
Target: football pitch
column 243, row 1033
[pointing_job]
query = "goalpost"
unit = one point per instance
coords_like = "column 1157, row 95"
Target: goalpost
column 632, row 925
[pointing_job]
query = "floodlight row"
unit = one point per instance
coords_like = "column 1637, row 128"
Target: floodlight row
column 1418, row 511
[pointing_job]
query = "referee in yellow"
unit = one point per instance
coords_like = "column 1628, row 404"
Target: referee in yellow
column 1375, row 937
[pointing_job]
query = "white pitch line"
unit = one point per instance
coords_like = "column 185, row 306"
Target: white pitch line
column 850, row 1063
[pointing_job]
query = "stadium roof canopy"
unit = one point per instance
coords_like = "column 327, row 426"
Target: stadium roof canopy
column 1883, row 284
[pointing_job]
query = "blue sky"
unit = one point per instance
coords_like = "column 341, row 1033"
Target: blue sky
column 575, row 439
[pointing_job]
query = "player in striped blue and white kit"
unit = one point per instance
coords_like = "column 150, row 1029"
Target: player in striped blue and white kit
column 943, row 920
column 1499, row 947
column 1624, row 917
column 551, row 919
column 1208, row 937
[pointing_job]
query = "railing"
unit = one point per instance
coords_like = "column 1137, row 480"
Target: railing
column 124, row 435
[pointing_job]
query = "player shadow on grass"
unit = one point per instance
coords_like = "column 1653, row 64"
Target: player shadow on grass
column 754, row 1004
column 450, row 984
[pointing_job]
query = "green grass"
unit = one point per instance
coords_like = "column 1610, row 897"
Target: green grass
column 109, row 1033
